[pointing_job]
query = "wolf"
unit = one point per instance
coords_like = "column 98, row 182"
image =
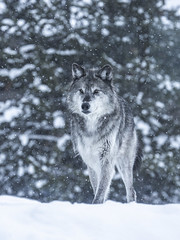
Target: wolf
column 102, row 130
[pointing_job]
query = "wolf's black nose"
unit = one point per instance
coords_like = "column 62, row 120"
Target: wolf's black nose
column 85, row 106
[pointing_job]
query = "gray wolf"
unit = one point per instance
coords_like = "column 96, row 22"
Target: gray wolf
column 102, row 130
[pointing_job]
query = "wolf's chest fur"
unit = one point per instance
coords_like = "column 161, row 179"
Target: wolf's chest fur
column 93, row 149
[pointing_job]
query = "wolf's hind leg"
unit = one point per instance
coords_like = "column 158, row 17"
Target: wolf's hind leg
column 126, row 173
column 93, row 179
column 127, row 176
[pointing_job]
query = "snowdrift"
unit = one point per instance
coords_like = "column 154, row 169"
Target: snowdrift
column 23, row 219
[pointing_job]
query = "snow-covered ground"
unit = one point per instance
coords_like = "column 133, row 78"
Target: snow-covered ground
column 23, row 219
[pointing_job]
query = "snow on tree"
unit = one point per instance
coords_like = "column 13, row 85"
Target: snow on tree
column 39, row 42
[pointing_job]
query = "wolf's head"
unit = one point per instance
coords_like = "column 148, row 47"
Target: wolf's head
column 91, row 91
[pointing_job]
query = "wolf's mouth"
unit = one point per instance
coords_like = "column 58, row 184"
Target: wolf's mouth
column 86, row 111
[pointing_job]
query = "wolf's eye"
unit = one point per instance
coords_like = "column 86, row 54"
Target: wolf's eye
column 81, row 91
column 96, row 91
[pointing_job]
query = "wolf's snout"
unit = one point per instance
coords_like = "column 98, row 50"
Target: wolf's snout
column 85, row 107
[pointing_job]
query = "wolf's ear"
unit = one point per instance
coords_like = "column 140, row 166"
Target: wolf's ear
column 105, row 73
column 77, row 71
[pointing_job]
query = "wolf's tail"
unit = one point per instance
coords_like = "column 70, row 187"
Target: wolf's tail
column 138, row 159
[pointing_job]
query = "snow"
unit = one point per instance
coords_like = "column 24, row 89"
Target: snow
column 2, row 7
column 48, row 2
column 9, row 113
column 26, row 48
column 16, row 72
column 44, row 88
column 24, row 139
column 8, row 21
column 59, row 122
column 175, row 142
column 169, row 84
column 145, row 128
column 123, row 1
column 78, row 38
column 10, row 51
column 61, row 141
column 161, row 139
column 172, row 3
column 31, row 220
column 61, row 52
column 48, row 30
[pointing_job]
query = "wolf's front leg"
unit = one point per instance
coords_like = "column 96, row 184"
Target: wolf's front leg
column 104, row 182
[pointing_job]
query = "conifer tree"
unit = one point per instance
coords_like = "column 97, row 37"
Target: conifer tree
column 39, row 42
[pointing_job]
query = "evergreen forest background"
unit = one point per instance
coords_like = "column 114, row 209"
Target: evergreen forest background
column 39, row 41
